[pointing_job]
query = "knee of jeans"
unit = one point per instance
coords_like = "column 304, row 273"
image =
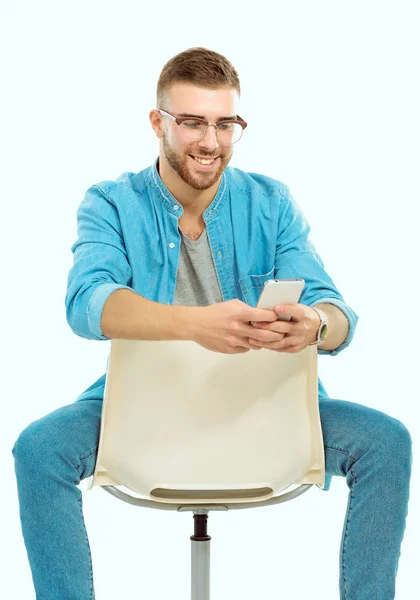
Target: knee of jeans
column 396, row 438
column 29, row 443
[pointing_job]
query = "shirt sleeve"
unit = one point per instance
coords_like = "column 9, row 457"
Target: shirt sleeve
column 100, row 264
column 296, row 257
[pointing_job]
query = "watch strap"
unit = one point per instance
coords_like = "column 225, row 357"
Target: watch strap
column 321, row 333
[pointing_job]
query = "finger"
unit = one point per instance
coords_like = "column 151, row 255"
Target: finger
column 261, row 315
column 286, row 342
column 268, row 345
column 247, row 344
column 260, row 343
column 276, row 326
column 269, row 332
column 296, row 311
column 265, row 336
column 292, row 344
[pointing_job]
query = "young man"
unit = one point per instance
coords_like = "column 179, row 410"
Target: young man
column 181, row 250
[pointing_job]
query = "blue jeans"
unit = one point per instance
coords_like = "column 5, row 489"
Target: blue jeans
column 369, row 448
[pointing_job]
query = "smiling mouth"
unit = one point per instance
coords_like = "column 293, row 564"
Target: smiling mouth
column 204, row 161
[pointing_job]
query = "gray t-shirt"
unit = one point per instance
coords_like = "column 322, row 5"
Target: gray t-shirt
column 196, row 282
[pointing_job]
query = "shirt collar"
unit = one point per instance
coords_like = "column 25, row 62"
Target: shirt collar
column 171, row 203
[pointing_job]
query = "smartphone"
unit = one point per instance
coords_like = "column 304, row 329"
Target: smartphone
column 280, row 291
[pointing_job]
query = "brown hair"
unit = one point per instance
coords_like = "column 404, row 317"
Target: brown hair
column 200, row 66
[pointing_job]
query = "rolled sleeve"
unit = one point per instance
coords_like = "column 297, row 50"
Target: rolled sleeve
column 100, row 264
column 296, row 257
column 96, row 306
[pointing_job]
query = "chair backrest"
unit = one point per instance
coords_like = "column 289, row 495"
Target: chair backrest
column 183, row 424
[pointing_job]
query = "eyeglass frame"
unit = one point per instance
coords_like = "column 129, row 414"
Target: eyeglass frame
column 180, row 120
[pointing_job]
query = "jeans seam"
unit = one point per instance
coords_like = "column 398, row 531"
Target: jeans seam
column 348, row 513
column 346, row 532
column 88, row 547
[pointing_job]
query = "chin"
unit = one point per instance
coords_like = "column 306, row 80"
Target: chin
column 203, row 181
column 180, row 163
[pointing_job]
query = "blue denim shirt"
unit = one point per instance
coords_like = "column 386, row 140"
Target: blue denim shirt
column 128, row 238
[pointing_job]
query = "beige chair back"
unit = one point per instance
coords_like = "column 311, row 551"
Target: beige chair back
column 183, row 424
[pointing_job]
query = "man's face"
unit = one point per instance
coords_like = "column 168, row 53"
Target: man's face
column 187, row 99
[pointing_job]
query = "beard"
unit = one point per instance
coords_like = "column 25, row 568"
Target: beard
column 180, row 164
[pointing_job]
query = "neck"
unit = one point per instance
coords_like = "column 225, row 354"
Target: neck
column 194, row 202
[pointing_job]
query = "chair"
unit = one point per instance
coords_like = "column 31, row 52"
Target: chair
column 187, row 429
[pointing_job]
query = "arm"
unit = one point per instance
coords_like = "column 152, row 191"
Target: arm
column 100, row 304
column 129, row 316
column 296, row 257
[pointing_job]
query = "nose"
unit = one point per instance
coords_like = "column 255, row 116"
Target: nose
column 209, row 141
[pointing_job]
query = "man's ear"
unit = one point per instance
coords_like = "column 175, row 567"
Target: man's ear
column 156, row 122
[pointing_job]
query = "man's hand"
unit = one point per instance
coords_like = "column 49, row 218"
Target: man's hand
column 293, row 335
column 225, row 327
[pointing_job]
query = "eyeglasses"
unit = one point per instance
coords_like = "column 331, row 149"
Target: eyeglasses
column 228, row 131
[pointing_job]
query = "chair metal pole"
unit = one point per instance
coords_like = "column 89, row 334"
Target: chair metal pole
column 200, row 557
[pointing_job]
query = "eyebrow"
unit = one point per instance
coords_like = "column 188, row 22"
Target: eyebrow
column 232, row 118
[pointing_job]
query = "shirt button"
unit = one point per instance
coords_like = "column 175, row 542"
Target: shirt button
column 171, row 245
column 176, row 206
column 219, row 254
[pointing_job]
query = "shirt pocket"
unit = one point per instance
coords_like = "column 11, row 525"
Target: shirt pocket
column 251, row 286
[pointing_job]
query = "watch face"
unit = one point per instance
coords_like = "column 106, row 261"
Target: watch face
column 323, row 332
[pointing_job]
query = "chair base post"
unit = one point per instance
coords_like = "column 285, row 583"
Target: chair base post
column 200, row 557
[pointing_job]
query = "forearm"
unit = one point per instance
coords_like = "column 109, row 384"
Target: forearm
column 338, row 326
column 127, row 315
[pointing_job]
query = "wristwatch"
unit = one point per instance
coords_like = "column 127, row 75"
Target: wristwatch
column 323, row 327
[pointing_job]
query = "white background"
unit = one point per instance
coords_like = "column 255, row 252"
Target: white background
column 331, row 94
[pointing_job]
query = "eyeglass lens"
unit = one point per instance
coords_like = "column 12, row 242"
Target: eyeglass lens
column 228, row 133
